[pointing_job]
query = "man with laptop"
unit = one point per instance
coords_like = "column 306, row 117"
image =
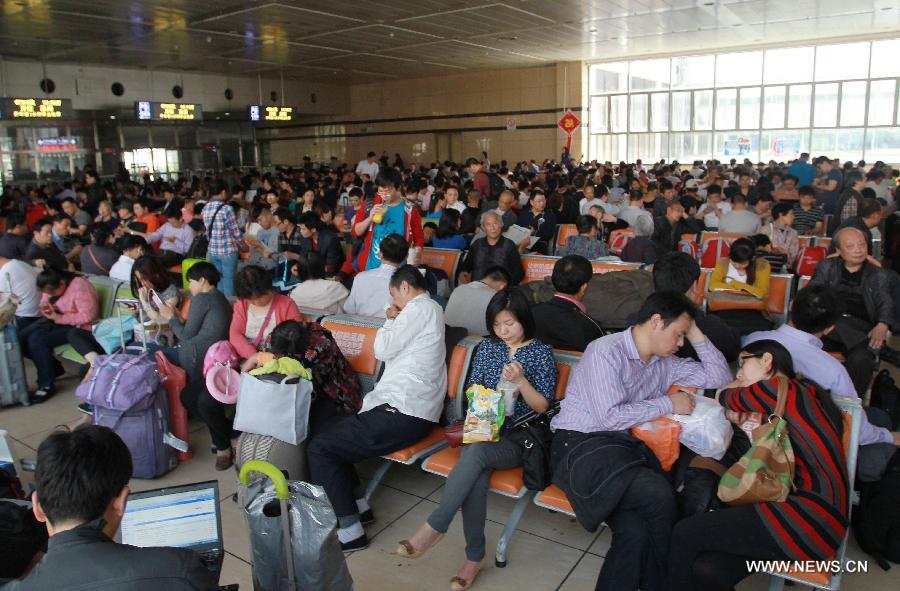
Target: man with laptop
column 81, row 494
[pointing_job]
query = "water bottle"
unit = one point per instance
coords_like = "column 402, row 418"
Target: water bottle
column 510, row 393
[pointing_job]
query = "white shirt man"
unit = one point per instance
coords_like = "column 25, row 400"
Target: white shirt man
column 368, row 166
column 19, row 278
column 370, row 295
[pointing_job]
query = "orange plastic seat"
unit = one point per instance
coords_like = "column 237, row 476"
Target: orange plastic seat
column 555, row 499
column 404, row 455
column 537, row 267
column 506, row 482
column 601, row 267
column 563, row 231
column 446, row 259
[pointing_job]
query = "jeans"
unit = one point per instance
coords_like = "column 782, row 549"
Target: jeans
column 709, row 551
column 84, row 342
column 226, row 265
column 38, row 340
column 23, row 322
column 467, row 488
column 346, row 440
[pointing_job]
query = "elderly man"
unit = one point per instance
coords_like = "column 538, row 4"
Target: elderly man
column 402, row 409
column 493, row 249
column 636, row 216
column 668, row 228
column 865, row 289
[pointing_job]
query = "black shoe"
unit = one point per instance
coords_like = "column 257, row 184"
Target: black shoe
column 890, row 355
column 86, row 408
column 367, row 517
column 59, row 370
column 360, row 543
column 42, row 394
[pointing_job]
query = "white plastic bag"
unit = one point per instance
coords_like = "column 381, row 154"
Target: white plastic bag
column 706, row 431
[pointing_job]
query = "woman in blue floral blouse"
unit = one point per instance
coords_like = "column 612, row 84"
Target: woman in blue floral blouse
column 511, row 353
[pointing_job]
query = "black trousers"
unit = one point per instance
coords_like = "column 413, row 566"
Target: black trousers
column 169, row 258
column 84, row 342
column 851, row 337
column 198, row 402
column 709, row 552
column 345, row 440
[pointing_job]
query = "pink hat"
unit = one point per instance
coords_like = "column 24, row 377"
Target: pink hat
column 223, row 383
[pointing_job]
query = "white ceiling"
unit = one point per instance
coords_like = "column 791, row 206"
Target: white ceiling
column 344, row 41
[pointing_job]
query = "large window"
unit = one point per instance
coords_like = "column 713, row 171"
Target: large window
column 842, row 100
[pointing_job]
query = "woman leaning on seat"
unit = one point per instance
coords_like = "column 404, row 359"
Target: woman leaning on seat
column 711, row 550
column 258, row 310
column 747, row 275
column 511, row 352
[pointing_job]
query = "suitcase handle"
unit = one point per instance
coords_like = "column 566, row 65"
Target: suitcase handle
column 268, row 470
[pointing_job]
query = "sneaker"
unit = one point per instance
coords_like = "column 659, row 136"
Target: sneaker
column 86, row 408
column 360, row 543
column 42, row 395
column 367, row 517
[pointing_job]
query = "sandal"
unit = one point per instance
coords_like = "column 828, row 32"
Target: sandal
column 407, row 550
column 459, row 584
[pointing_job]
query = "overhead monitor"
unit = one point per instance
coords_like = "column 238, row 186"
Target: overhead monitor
column 266, row 114
column 154, row 111
column 35, row 108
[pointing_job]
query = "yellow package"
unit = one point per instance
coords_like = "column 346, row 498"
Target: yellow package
column 485, row 415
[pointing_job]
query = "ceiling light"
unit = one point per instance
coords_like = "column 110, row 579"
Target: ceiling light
column 228, row 114
column 112, row 116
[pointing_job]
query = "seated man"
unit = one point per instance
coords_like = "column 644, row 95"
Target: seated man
column 81, row 490
column 402, row 409
column 14, row 242
column 492, row 250
column 174, row 238
column 42, row 251
column 563, row 322
column 622, row 381
column 814, row 312
column 369, row 295
column 668, row 228
column 636, row 216
column 586, row 243
column 741, row 219
column 468, row 303
column 866, row 292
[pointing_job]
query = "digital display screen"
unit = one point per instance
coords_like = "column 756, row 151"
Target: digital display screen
column 35, row 108
column 153, row 111
column 264, row 114
column 57, row 144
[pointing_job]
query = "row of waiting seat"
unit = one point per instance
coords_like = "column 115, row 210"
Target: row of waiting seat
column 355, row 336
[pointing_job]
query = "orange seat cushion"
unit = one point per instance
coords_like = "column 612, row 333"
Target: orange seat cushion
column 407, row 453
column 537, row 269
column 508, row 482
column 357, row 343
column 818, row 577
column 445, row 261
column 175, row 269
column 553, row 496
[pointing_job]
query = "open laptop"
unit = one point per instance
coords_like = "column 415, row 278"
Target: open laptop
column 186, row 516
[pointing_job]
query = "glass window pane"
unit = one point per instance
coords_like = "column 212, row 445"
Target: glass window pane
column 825, row 107
column 884, row 59
column 693, row 71
column 799, row 104
column 599, row 114
column 703, row 109
column 609, row 77
column 853, row 103
column 618, row 115
column 608, row 147
column 637, row 112
column 773, row 107
column 659, row 115
column 749, row 118
column 782, row 145
column 844, row 144
column 681, row 111
column 883, row 143
column 649, row 75
column 737, row 145
column 690, row 146
column 789, row 65
column 739, row 69
column 649, row 147
column 840, row 62
column 881, row 102
column 726, row 108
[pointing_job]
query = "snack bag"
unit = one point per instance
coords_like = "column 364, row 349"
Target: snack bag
column 485, row 415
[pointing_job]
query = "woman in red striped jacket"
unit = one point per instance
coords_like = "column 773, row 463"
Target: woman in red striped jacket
column 711, row 550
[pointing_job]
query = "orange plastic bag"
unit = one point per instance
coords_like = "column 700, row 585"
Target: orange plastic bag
column 661, row 436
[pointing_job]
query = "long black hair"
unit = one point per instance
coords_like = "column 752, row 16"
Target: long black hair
column 743, row 250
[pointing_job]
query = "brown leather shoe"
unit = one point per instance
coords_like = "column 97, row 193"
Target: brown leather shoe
column 224, row 460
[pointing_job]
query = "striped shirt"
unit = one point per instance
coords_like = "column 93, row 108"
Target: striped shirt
column 612, row 389
column 812, row 521
column 805, row 220
column 223, row 232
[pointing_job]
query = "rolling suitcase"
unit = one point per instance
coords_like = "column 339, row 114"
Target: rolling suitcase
column 13, row 387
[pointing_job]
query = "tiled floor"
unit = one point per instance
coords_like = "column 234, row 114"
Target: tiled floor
column 550, row 551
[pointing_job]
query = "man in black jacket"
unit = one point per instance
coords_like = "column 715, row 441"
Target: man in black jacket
column 493, row 250
column 865, row 289
column 563, row 322
column 81, row 491
column 42, row 252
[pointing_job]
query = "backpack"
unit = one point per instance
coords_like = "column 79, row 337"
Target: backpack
column 640, row 249
column 497, row 186
column 127, row 397
column 537, row 292
column 717, row 248
column 690, row 247
column 21, row 537
column 200, row 243
column 618, row 240
column 886, row 396
column 876, row 522
column 611, row 297
column 808, row 258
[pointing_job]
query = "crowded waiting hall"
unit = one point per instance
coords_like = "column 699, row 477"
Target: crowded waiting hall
column 558, row 296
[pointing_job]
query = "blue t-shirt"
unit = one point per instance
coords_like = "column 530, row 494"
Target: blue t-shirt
column 456, row 241
column 804, row 171
column 392, row 223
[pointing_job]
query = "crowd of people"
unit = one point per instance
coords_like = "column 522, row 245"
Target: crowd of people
column 350, row 240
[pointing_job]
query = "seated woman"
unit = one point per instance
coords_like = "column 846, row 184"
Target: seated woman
column 712, row 550
column 510, row 353
column 743, row 279
column 153, row 286
column 586, row 243
column 448, row 231
column 67, row 302
column 208, row 321
column 258, row 310
column 336, row 387
column 314, row 291
column 541, row 221
column 133, row 248
column 99, row 256
column 106, row 217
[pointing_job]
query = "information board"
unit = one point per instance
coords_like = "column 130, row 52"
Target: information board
column 154, row 111
column 35, row 108
column 264, row 114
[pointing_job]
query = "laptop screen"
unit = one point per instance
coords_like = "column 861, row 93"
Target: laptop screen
column 180, row 516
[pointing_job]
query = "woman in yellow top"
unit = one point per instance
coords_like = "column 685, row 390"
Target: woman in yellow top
column 745, row 272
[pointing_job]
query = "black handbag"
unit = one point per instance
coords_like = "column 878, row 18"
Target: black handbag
column 200, row 243
column 535, row 437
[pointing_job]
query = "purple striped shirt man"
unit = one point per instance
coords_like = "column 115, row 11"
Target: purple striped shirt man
column 613, row 389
